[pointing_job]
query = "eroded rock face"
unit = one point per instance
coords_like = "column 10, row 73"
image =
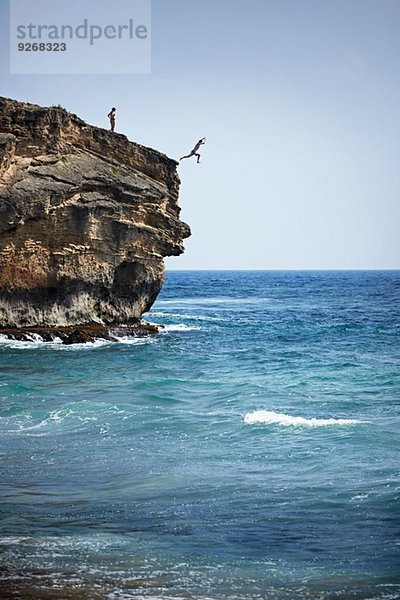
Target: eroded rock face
column 86, row 218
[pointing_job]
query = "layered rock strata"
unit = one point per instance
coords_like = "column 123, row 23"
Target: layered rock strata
column 86, row 218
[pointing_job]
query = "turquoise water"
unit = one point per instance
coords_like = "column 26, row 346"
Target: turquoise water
column 250, row 450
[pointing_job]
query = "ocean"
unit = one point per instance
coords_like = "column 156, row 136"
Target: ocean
column 250, row 450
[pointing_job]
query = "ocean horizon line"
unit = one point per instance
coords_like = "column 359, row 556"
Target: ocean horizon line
column 276, row 270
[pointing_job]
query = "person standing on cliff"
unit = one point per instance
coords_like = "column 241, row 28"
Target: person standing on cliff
column 194, row 151
column 111, row 116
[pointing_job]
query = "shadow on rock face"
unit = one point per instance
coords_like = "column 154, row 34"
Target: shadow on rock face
column 86, row 218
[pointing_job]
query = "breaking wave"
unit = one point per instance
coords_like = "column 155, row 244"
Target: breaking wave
column 34, row 341
column 179, row 327
column 269, row 417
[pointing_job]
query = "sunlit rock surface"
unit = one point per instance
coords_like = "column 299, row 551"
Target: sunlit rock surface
column 86, row 218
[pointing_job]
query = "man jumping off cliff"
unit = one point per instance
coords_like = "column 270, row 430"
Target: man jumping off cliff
column 111, row 116
column 194, row 151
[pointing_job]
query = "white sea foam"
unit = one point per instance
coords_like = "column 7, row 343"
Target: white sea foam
column 179, row 327
column 34, row 337
column 31, row 343
column 96, row 343
column 36, row 341
column 361, row 496
column 269, row 417
column 132, row 340
column 178, row 315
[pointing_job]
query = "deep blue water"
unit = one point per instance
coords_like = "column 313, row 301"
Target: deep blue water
column 251, row 450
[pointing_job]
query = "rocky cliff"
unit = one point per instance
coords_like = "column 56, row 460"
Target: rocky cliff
column 86, row 218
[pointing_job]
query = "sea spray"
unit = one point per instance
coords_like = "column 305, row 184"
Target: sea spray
column 269, row 417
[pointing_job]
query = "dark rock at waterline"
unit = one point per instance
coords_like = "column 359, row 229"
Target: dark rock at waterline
column 79, row 334
column 86, row 218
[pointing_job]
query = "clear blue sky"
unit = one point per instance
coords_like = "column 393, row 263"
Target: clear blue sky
column 300, row 102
